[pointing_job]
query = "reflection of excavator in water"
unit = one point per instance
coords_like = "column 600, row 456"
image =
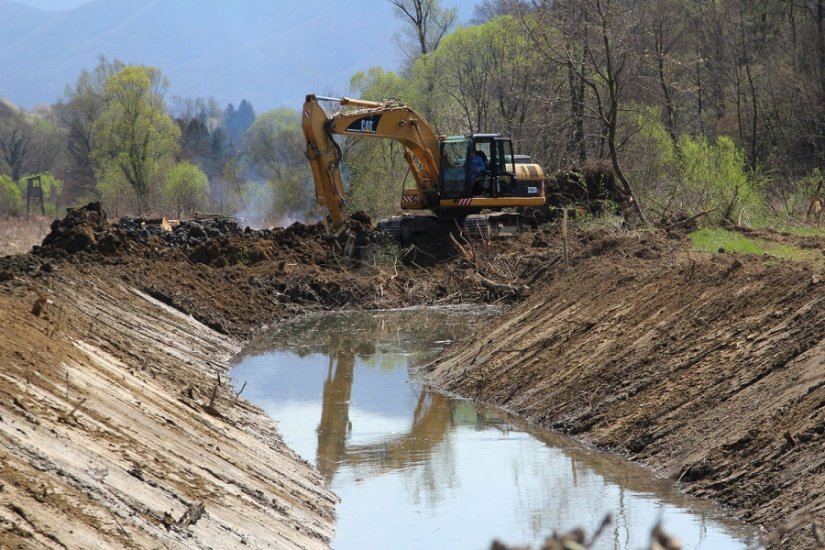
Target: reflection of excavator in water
column 455, row 176
column 431, row 421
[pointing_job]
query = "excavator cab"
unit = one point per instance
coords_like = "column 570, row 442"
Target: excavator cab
column 480, row 165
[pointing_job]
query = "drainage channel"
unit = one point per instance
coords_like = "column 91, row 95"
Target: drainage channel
column 417, row 469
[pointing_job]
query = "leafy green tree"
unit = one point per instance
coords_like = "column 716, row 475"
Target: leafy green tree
column 274, row 152
column 187, row 189
column 134, row 132
column 77, row 112
column 488, row 72
column 716, row 174
column 115, row 192
column 10, row 197
column 274, row 144
column 375, row 169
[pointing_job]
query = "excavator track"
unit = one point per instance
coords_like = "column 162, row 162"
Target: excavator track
column 406, row 229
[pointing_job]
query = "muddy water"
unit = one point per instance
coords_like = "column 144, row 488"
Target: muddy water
column 416, row 469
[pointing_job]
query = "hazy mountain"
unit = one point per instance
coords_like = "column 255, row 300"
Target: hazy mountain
column 269, row 52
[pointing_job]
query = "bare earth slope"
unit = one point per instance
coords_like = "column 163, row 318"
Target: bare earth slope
column 709, row 369
column 116, row 427
column 109, row 439
column 117, row 430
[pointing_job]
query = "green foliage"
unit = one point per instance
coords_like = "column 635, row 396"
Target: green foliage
column 274, row 144
column 656, row 165
column 77, row 112
column 717, row 177
column 118, row 197
column 798, row 202
column 186, row 189
column 693, row 174
column 134, row 134
column 813, row 182
column 717, row 240
column 376, row 84
column 11, row 203
column 484, row 74
column 274, row 152
column 375, row 169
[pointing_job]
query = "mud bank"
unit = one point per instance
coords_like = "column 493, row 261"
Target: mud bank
column 710, row 369
column 118, row 431
column 117, row 428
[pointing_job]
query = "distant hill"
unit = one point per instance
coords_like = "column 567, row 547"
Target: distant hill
column 271, row 53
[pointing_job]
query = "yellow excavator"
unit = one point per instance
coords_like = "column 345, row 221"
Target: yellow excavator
column 455, row 176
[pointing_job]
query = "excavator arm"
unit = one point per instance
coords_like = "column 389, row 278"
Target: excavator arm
column 389, row 120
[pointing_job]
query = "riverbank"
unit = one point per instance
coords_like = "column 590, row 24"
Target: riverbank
column 119, row 430
column 116, row 426
column 707, row 368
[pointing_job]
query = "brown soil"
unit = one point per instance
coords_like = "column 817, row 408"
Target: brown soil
column 707, row 368
column 117, row 429
column 710, row 369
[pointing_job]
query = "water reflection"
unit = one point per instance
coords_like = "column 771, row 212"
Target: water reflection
column 416, row 469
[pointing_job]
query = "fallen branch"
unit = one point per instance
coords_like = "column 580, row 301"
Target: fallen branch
column 467, row 255
column 500, row 288
column 690, row 219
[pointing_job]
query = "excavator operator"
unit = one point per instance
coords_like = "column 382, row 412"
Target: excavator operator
column 478, row 165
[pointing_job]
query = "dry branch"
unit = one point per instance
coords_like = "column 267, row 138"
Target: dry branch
column 501, row 288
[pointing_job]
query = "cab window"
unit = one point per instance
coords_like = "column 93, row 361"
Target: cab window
column 453, row 167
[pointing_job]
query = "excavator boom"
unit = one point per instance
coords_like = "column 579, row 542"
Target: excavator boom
column 390, row 120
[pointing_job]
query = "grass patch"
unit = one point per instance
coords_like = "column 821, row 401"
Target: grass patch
column 714, row 239
column 805, row 231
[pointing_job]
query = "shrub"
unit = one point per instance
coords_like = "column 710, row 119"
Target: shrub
column 186, row 189
column 11, row 202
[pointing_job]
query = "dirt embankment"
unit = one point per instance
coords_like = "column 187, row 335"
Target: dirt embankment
column 116, row 432
column 117, row 426
column 710, row 369
column 707, row 368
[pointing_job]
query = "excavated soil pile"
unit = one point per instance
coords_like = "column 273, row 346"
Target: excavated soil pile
column 236, row 280
column 708, row 368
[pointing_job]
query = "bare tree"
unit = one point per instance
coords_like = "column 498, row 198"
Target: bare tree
column 427, row 24
column 487, row 10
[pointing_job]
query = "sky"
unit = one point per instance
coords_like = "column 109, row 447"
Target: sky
column 276, row 51
column 53, row 5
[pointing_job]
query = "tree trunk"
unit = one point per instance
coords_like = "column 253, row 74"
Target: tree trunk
column 613, row 86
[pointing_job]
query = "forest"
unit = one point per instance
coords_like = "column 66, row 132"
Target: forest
column 712, row 107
